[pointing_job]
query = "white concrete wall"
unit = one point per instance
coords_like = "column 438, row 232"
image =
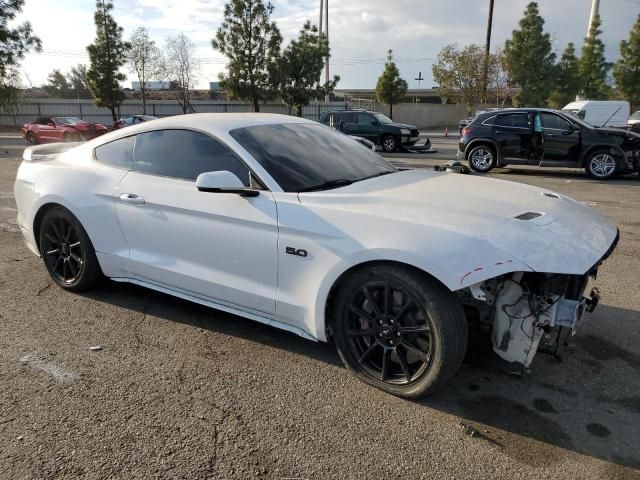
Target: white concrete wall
column 426, row 115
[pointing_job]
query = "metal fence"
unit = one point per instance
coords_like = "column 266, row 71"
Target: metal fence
column 29, row 110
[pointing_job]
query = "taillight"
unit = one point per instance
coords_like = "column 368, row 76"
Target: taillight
column 466, row 131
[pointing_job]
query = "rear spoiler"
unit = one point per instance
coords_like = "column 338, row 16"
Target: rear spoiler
column 44, row 152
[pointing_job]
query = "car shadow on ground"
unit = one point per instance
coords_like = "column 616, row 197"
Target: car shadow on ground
column 573, row 402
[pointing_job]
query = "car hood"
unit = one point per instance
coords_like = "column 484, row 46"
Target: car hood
column 618, row 132
column 555, row 233
column 401, row 125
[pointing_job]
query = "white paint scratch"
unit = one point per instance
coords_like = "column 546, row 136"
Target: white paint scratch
column 56, row 371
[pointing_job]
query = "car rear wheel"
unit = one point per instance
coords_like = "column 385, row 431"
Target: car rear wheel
column 67, row 251
column 398, row 330
column 601, row 165
column 389, row 143
column 482, row 158
column 31, row 138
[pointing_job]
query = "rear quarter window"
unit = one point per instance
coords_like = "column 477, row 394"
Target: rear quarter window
column 118, row 153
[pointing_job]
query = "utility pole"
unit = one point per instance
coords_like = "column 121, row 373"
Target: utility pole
column 487, row 52
column 323, row 25
column 595, row 9
column 326, row 27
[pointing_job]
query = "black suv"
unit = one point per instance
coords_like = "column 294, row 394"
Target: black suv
column 373, row 126
column 547, row 138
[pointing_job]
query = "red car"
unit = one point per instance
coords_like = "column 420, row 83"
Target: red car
column 61, row 129
column 132, row 120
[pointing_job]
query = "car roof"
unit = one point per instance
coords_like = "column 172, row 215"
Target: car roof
column 216, row 123
column 519, row 110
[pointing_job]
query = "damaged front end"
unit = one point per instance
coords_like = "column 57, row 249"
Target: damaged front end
column 524, row 310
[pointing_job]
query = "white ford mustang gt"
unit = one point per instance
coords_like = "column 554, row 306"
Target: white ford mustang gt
column 290, row 223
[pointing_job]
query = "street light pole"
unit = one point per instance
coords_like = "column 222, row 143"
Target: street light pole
column 595, row 9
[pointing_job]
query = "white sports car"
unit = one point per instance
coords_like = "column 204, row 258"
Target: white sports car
column 288, row 222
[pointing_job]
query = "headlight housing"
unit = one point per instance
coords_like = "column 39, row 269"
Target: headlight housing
column 405, row 131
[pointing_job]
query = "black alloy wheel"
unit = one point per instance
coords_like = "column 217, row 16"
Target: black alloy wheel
column 398, row 329
column 67, row 251
column 390, row 334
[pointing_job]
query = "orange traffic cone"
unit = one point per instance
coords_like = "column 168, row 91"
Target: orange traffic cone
column 446, row 132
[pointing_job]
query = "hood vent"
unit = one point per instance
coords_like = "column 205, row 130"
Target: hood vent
column 528, row 216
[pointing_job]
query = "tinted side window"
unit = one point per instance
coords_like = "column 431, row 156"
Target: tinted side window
column 348, row 117
column 549, row 120
column 118, row 153
column 512, row 120
column 364, row 119
column 184, row 154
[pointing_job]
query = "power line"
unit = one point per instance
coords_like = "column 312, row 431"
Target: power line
column 221, row 61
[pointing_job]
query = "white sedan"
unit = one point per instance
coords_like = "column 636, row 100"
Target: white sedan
column 288, row 222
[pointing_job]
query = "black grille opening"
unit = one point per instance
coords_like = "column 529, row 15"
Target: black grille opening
column 528, row 216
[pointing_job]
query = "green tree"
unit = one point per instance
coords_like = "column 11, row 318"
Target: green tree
column 567, row 79
column 144, row 59
column 299, row 69
column 529, row 59
column 14, row 45
column 390, row 87
column 460, row 74
column 77, row 78
column 57, row 85
column 251, row 43
column 593, row 67
column 626, row 71
column 107, row 55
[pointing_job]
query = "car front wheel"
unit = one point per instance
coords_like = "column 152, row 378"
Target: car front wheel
column 481, row 159
column 601, row 165
column 67, row 251
column 31, row 138
column 399, row 330
column 389, row 143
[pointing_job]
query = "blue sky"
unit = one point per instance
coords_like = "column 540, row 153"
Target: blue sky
column 360, row 32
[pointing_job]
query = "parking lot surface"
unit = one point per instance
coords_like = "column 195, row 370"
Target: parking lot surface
column 177, row 390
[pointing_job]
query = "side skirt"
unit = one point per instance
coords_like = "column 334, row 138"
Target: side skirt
column 218, row 306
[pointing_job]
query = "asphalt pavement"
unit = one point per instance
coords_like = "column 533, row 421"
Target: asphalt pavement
column 124, row 382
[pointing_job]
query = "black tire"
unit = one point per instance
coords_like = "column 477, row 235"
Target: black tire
column 389, row 143
column 67, row 251
column 66, row 138
column 601, row 165
column 482, row 158
column 421, row 325
column 31, row 138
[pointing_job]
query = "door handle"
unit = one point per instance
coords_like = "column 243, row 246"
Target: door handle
column 131, row 199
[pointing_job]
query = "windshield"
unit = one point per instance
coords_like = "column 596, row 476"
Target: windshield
column 68, row 120
column 382, row 118
column 302, row 156
column 635, row 116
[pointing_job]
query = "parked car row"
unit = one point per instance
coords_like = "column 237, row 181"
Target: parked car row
column 72, row 129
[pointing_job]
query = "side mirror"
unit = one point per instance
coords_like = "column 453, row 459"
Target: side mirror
column 374, row 122
column 223, row 182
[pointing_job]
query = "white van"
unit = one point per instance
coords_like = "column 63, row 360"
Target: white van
column 600, row 113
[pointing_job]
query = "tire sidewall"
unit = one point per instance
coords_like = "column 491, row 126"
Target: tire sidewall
column 31, row 138
column 475, row 148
